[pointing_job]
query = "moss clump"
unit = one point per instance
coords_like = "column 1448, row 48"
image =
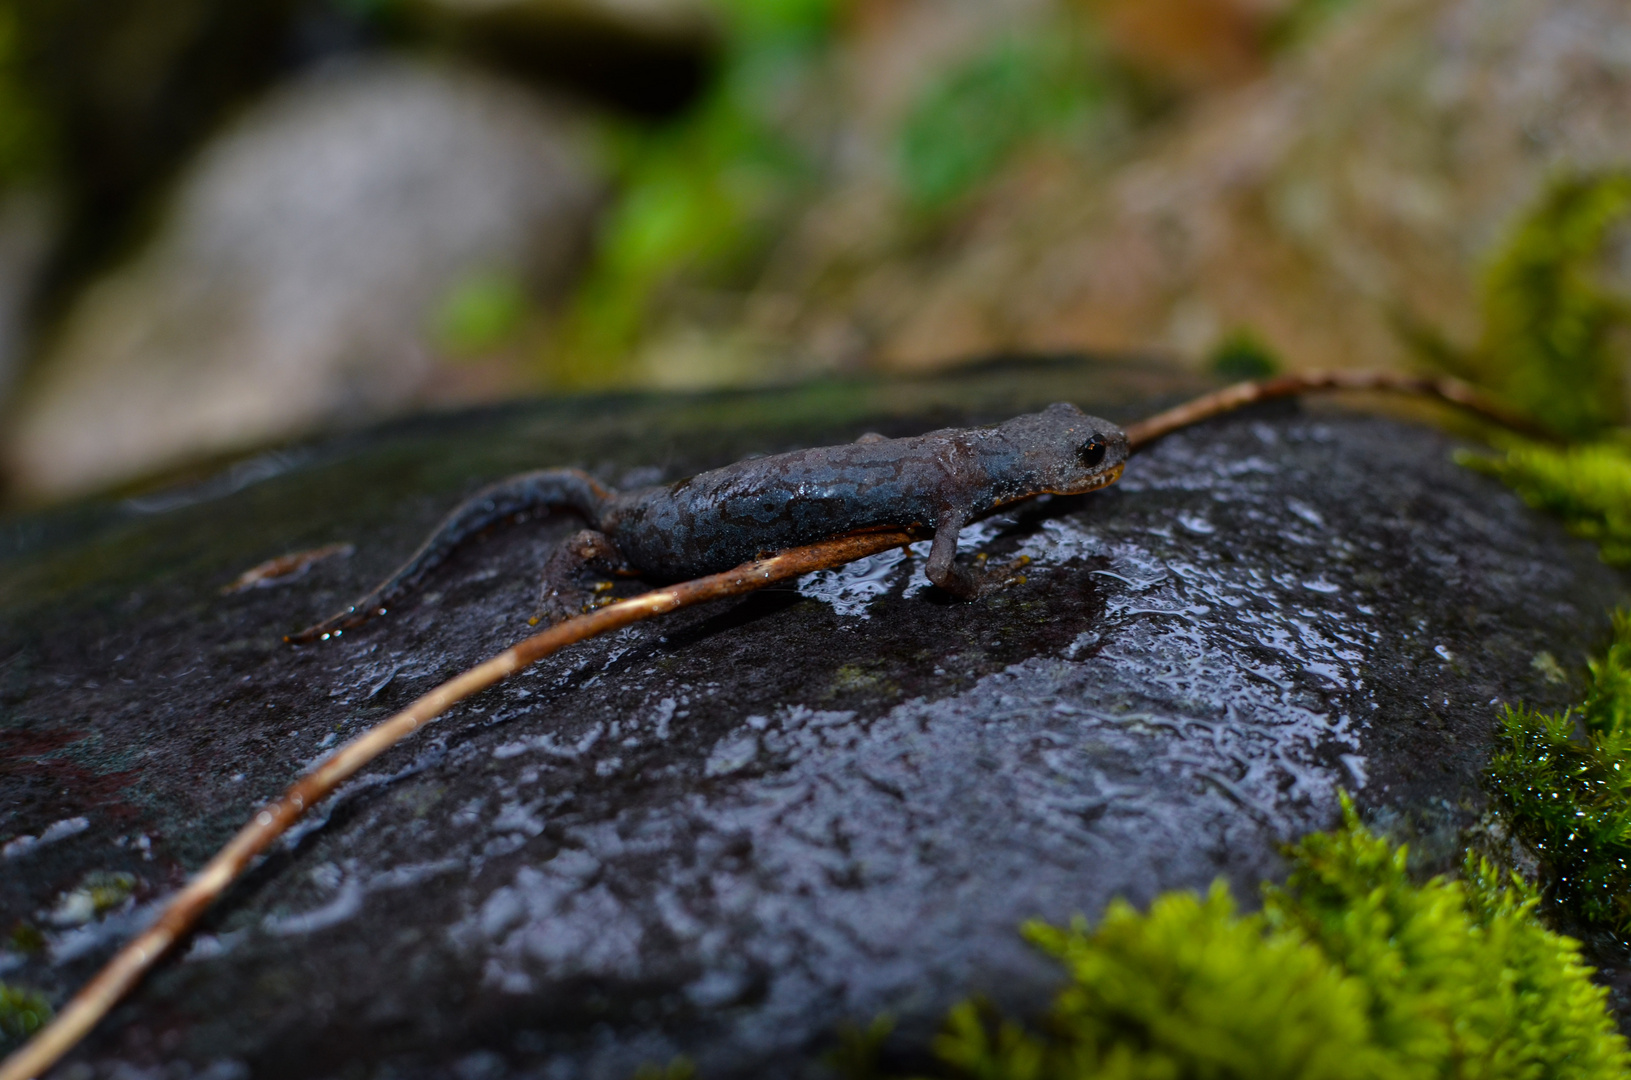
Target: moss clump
column 1241, row 354
column 1552, row 332
column 1350, row 970
column 22, row 1013
column 1588, row 486
column 1549, row 327
column 1564, row 781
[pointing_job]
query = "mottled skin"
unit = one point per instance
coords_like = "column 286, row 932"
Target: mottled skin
column 936, row 483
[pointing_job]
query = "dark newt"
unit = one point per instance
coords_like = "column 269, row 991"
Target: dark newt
column 936, row 483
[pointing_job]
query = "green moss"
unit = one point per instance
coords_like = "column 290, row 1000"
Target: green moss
column 1350, row 970
column 1588, row 486
column 1461, row 975
column 1553, row 334
column 1564, row 782
column 1241, row 354
column 22, row 1012
column 25, row 938
column 969, row 122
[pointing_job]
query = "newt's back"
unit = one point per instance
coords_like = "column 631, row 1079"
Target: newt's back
column 719, row 519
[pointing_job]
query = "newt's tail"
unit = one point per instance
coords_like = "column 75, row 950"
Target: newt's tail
column 566, row 489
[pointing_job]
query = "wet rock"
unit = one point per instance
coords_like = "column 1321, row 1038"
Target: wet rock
column 134, row 86
column 724, row 833
column 296, row 278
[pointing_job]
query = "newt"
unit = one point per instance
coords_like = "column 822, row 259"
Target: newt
column 933, row 484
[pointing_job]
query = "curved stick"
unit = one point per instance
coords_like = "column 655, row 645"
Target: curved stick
column 127, row 967
column 1452, row 391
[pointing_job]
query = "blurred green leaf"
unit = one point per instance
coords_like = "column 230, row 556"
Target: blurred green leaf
column 971, row 120
column 480, row 313
column 700, row 197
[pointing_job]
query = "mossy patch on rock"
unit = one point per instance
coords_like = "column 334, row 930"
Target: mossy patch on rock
column 1552, row 337
column 1564, row 782
column 22, row 1013
column 1588, row 486
column 1350, row 970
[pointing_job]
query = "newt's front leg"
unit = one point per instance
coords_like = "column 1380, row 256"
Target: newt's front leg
column 943, row 569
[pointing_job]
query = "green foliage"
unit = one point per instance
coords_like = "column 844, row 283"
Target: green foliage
column 1189, row 989
column 1564, row 781
column 1588, row 486
column 699, row 198
column 968, row 122
column 1350, row 970
column 25, row 938
column 1553, row 335
column 1241, row 354
column 22, row 1012
column 25, row 129
column 481, row 312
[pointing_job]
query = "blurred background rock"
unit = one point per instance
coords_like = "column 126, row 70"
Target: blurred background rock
column 223, row 224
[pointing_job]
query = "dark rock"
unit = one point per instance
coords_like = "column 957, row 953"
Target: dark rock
column 132, row 87
column 651, row 57
column 723, row 833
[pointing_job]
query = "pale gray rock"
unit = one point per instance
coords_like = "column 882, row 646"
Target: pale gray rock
column 301, row 259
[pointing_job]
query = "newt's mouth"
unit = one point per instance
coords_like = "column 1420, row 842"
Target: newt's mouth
column 1093, row 483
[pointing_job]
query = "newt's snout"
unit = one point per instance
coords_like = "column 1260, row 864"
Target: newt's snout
column 1072, row 453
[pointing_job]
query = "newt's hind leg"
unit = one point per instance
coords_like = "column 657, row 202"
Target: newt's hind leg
column 563, row 593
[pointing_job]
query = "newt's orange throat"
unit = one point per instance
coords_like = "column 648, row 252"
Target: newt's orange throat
column 1103, row 480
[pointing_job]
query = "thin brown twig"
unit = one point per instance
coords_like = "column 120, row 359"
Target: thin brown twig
column 1452, row 391
column 132, row 962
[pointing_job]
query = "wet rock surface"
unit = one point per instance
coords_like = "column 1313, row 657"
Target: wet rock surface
column 724, row 833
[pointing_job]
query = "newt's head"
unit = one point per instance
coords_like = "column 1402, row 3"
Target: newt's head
column 1062, row 451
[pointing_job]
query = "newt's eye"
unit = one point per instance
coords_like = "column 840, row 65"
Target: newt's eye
column 1092, row 451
